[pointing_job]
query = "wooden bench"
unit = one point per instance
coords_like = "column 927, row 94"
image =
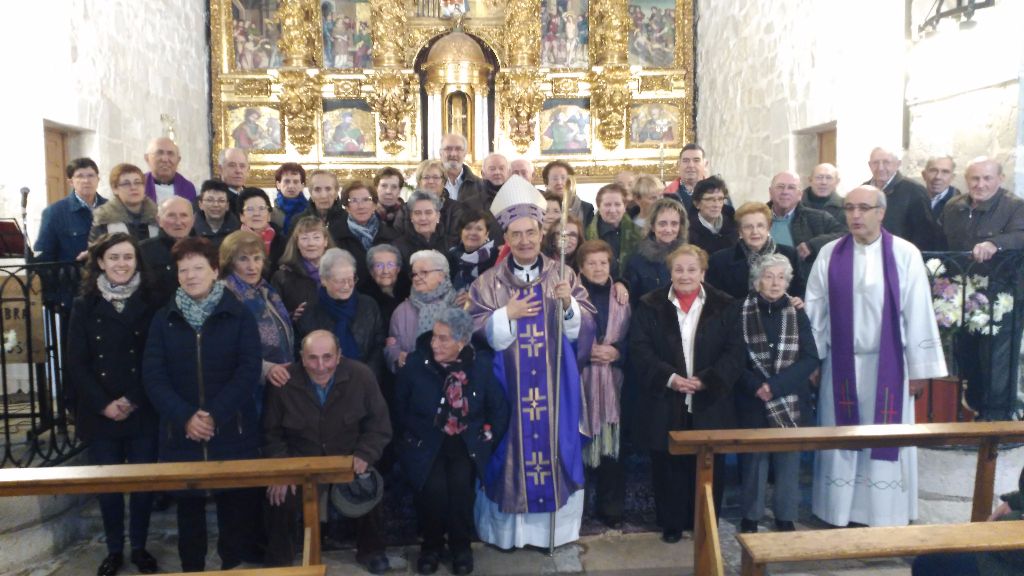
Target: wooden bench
column 305, row 472
column 886, row 542
column 319, row 570
column 706, row 443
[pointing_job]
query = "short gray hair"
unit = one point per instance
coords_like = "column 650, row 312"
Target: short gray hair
column 372, row 253
column 760, row 265
column 460, row 322
column 420, row 195
column 222, row 156
column 334, row 257
column 433, row 257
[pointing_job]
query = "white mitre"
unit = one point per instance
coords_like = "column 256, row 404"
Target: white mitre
column 516, row 199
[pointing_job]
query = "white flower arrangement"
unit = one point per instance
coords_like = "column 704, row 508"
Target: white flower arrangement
column 978, row 315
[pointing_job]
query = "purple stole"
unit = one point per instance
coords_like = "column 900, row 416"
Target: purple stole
column 537, row 486
column 889, row 393
column 182, row 187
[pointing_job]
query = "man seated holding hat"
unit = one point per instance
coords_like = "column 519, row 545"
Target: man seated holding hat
column 329, row 406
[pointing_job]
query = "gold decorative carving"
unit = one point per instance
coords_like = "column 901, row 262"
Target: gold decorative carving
column 299, row 32
column 394, row 98
column 655, row 83
column 521, row 100
column 684, row 58
column 252, row 87
column 609, row 98
column 388, row 25
column 610, row 36
column 416, row 40
column 521, row 34
column 491, row 35
column 300, row 103
column 348, row 88
column 565, row 87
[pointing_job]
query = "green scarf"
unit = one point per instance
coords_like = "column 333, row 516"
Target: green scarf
column 197, row 311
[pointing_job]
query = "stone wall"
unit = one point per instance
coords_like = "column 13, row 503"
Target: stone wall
column 772, row 74
column 105, row 71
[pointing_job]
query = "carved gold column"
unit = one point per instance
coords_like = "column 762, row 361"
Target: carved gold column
column 394, row 100
column 388, row 26
column 300, row 101
column 519, row 82
column 298, row 32
column 521, row 34
column 610, row 49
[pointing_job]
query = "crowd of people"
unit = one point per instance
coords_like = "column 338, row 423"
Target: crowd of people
column 438, row 340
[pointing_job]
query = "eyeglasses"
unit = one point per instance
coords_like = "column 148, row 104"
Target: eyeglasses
column 352, row 201
column 452, row 149
column 425, row 177
column 131, row 184
column 423, row 273
column 85, row 177
column 385, row 266
column 214, row 201
column 255, row 209
column 859, row 208
column 350, row 281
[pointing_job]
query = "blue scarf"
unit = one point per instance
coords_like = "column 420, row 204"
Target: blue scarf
column 291, row 207
column 365, row 233
column 197, row 311
column 344, row 314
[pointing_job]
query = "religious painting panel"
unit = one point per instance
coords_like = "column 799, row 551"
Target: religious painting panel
column 346, row 34
column 652, row 38
column 656, row 123
column 565, row 126
column 254, row 34
column 349, row 128
column 565, row 33
column 254, row 127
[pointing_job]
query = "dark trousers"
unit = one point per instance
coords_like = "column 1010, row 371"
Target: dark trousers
column 233, row 512
column 674, row 479
column 961, row 564
column 445, row 504
column 131, row 450
column 609, row 480
column 285, row 531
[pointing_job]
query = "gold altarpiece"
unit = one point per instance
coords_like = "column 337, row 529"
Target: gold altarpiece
column 355, row 85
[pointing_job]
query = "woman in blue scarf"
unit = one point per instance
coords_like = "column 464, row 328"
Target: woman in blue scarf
column 242, row 259
column 353, row 317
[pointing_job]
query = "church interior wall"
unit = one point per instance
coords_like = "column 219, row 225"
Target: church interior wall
column 105, row 72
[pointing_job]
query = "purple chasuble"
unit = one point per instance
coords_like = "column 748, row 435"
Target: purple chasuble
column 889, row 394
column 182, row 187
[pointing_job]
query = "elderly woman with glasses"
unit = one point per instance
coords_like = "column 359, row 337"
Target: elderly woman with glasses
column 256, row 209
column 476, row 251
column 129, row 210
column 297, row 279
column 774, row 390
column 711, row 221
column 362, row 229
column 430, row 179
column 353, row 317
column 424, row 231
column 242, row 259
column 432, row 292
column 729, row 268
column 453, row 412
column 390, row 286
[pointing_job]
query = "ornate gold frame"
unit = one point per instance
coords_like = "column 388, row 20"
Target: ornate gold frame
column 665, row 101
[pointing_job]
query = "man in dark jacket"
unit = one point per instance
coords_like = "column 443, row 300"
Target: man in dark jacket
column 175, row 218
column 937, row 174
column 822, row 195
column 798, row 226
column 330, row 406
column 459, row 179
column 908, row 212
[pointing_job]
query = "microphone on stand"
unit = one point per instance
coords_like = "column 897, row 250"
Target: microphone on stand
column 24, row 222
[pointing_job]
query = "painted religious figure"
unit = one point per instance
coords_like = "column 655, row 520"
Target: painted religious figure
column 652, row 38
column 565, row 33
column 566, row 126
column 654, row 124
column 348, row 128
column 254, row 34
column 346, row 33
column 255, row 128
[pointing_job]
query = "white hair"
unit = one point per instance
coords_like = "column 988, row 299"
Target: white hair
column 333, row 258
column 760, row 265
column 433, row 257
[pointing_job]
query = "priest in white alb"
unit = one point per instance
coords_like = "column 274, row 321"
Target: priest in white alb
column 870, row 306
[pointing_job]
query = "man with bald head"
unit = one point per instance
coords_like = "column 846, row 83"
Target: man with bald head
column 798, row 226
column 985, row 221
column 175, row 218
column 909, row 213
column 234, row 171
column 870, row 306
column 163, row 180
column 495, row 170
column 522, row 167
column 459, row 179
column 822, row 195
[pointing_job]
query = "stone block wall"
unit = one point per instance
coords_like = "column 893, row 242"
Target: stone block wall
column 105, row 71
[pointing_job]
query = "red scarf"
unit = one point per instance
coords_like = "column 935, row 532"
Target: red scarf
column 686, row 300
column 267, row 235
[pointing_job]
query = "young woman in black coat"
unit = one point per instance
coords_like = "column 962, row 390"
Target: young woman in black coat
column 688, row 353
column 106, row 339
column 453, row 412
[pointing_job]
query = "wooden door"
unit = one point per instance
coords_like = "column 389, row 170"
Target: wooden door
column 827, row 147
column 56, row 160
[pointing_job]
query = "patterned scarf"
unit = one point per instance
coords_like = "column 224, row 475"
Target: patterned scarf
column 291, row 207
column 429, row 305
column 344, row 314
column 365, row 232
column 388, row 214
column 783, row 412
column 197, row 311
column 454, row 409
column 312, row 270
column 271, row 317
column 118, row 295
column 267, row 235
column 469, row 263
column 752, row 256
column 653, row 251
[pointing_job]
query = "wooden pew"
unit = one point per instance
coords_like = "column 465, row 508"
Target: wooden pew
column 883, row 542
column 305, row 472
column 706, row 443
column 320, row 570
